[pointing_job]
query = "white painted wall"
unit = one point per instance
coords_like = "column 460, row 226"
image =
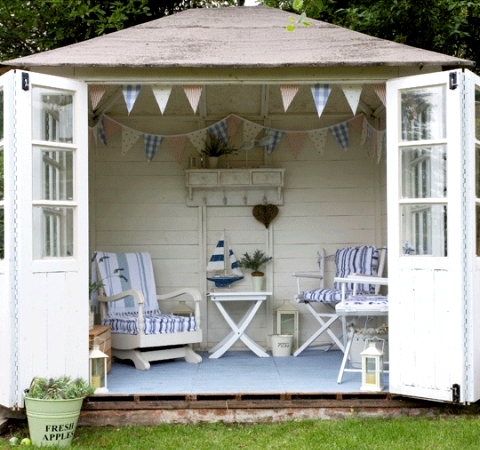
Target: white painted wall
column 330, row 200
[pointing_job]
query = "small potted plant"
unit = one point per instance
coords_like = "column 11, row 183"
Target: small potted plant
column 216, row 147
column 53, row 407
column 254, row 262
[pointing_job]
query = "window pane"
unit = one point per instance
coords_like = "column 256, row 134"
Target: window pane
column 423, row 113
column 2, row 233
column 424, row 230
column 52, row 232
column 52, row 115
column 477, row 222
column 52, row 174
column 424, row 172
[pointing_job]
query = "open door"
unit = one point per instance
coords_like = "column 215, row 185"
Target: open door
column 433, row 203
column 43, row 230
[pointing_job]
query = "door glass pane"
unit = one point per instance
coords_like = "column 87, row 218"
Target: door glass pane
column 52, row 232
column 423, row 113
column 424, row 172
column 424, row 229
column 52, row 174
column 52, row 115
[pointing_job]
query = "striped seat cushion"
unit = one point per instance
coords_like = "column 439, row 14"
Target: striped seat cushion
column 366, row 301
column 152, row 324
column 349, row 260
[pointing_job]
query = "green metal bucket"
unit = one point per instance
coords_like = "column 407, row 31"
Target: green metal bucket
column 52, row 422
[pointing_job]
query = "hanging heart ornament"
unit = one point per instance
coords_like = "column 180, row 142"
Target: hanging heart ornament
column 265, row 213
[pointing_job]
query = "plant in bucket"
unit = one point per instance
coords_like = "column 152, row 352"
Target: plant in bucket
column 53, row 407
column 254, row 262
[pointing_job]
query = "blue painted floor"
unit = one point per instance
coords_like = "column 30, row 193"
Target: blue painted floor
column 237, row 372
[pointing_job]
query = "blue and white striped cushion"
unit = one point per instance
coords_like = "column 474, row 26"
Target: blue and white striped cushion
column 153, row 323
column 367, row 301
column 349, row 260
column 138, row 271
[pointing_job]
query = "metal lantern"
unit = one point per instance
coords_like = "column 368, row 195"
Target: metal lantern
column 182, row 310
column 287, row 321
column 98, row 370
column 372, row 368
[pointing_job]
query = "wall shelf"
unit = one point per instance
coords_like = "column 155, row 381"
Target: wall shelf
column 234, row 187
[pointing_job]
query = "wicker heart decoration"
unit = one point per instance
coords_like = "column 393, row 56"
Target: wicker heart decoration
column 265, row 213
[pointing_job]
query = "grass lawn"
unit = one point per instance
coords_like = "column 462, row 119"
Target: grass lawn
column 446, row 432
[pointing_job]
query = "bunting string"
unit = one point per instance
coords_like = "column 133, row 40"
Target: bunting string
column 225, row 128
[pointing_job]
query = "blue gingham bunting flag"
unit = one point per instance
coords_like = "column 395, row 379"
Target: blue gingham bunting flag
column 130, row 94
column 320, row 94
column 340, row 132
column 151, row 143
column 219, row 130
column 101, row 131
column 271, row 139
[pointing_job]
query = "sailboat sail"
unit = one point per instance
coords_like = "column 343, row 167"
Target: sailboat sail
column 231, row 270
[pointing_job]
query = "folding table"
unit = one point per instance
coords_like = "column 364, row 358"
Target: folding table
column 255, row 300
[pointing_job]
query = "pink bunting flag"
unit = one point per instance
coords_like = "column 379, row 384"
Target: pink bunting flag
column 295, row 142
column 288, row 91
column 96, row 93
column 381, row 91
column 177, row 146
column 233, row 122
column 111, row 127
column 193, row 93
column 356, row 123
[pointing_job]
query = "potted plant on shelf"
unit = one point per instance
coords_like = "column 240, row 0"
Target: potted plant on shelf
column 254, row 262
column 53, row 407
column 216, row 147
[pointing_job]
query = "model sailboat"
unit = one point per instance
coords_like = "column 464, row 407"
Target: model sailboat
column 223, row 262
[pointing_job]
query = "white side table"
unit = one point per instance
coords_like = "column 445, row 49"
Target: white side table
column 238, row 329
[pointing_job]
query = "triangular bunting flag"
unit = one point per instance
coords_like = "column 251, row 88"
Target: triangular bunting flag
column 340, row 133
column 197, row 138
column 151, row 143
column 271, row 139
column 288, row 92
column 373, row 143
column 177, row 146
column 356, row 123
column 129, row 138
column 319, row 139
column 96, row 94
column 219, row 130
column 101, row 131
column 380, row 90
column 193, row 94
column 320, row 94
column 380, row 139
column 111, row 127
column 295, row 142
column 250, row 130
column 233, row 122
column 364, row 132
column 130, row 94
column 162, row 94
column 352, row 93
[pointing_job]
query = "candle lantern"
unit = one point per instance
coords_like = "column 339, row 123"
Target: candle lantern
column 98, row 370
column 182, row 310
column 287, row 321
column 372, row 367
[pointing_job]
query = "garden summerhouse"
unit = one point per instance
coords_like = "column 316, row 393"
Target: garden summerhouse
column 361, row 141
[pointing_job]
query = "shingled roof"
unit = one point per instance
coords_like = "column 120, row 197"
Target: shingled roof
column 243, row 37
